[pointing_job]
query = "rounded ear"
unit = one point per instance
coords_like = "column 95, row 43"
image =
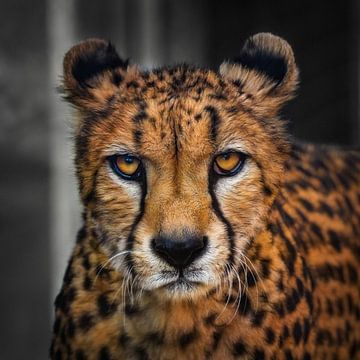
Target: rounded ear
column 265, row 72
column 92, row 72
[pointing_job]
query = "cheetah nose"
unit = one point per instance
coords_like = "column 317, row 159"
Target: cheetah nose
column 179, row 252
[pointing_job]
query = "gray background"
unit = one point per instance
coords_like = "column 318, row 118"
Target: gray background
column 39, row 211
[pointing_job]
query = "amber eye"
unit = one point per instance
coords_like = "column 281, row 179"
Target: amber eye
column 127, row 166
column 229, row 163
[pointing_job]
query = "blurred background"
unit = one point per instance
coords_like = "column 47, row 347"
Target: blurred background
column 39, row 212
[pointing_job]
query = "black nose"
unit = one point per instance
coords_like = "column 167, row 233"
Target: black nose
column 179, row 252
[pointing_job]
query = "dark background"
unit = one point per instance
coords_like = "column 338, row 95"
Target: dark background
column 39, row 207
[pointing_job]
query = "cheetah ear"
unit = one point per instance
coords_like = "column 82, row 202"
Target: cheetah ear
column 265, row 72
column 92, row 73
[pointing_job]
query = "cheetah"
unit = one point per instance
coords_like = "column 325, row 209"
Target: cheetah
column 208, row 233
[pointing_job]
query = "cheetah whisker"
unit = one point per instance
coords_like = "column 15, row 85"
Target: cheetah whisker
column 238, row 298
column 108, row 261
column 227, row 277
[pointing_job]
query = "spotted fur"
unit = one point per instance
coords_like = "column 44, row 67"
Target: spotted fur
column 279, row 278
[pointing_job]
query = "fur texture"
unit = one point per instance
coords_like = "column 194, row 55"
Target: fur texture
column 279, row 276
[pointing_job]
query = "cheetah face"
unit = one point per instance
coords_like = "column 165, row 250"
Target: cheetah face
column 179, row 166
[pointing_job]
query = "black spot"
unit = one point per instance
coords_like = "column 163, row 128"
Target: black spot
column 64, row 299
column 290, row 257
column 354, row 349
column 265, row 268
column 288, row 355
column 238, row 83
column 326, row 209
column 327, row 183
column 69, row 274
column 291, row 301
column 306, row 356
column 87, row 283
column 344, row 181
column 63, row 337
column 216, row 338
column 58, row 355
column 306, row 329
column 140, row 116
column 232, row 110
column 131, row 309
column 85, row 321
column 250, row 279
column 267, row 191
column 124, row 339
column 280, row 283
column 102, row 272
column 350, row 303
column 210, row 319
column 117, row 79
column 80, row 355
column 329, row 307
column 258, row 318
column 244, row 304
column 297, row 332
column 71, row 328
column 239, row 348
column 102, row 57
column 255, row 57
column 300, row 287
column 288, row 220
column 340, row 307
column 215, row 121
column 353, row 275
column 105, row 308
column 137, row 136
column 259, row 354
column 309, row 300
column 81, row 235
column 132, row 84
column 316, row 230
column 286, row 332
column 218, row 96
column 270, row 336
column 56, row 326
column 104, row 354
column 334, row 240
column 141, row 353
column 155, row 338
column 187, row 338
column 320, row 337
column 85, row 262
column 280, row 309
column 307, row 204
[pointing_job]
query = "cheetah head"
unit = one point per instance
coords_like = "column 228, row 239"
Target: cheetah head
column 179, row 166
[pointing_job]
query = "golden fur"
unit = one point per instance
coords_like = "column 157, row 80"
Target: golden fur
column 279, row 278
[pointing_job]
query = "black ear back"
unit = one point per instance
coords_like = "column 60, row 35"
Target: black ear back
column 97, row 57
column 92, row 73
column 262, row 59
column 265, row 72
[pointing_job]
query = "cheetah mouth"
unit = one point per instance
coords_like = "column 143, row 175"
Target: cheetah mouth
column 183, row 280
column 181, row 284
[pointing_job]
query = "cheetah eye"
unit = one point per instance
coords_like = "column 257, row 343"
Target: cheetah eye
column 229, row 163
column 126, row 166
